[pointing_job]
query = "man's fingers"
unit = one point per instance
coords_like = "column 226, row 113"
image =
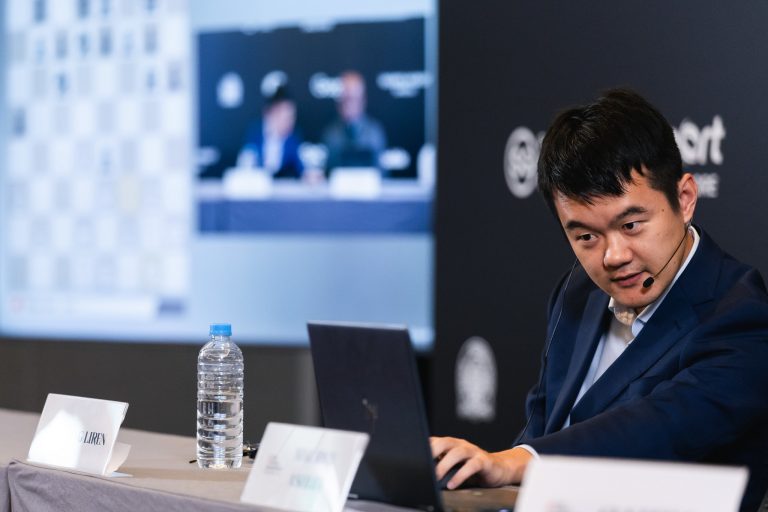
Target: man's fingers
column 450, row 458
column 437, row 444
column 491, row 469
column 459, row 454
column 468, row 469
column 440, row 445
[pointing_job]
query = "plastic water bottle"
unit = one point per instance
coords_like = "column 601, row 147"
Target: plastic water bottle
column 220, row 401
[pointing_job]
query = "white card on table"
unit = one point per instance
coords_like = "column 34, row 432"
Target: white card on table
column 79, row 433
column 580, row 484
column 304, row 469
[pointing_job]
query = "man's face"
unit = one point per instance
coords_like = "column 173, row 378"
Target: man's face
column 621, row 241
column 352, row 99
column 281, row 118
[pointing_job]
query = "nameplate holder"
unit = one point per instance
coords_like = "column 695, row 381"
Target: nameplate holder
column 355, row 183
column 581, row 484
column 80, row 434
column 304, row 469
column 247, row 183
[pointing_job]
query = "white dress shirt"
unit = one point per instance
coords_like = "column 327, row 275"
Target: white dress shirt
column 273, row 152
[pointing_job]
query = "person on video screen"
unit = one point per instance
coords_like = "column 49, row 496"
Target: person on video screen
column 272, row 143
column 354, row 139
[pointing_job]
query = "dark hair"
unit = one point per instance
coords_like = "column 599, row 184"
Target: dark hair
column 590, row 151
column 281, row 93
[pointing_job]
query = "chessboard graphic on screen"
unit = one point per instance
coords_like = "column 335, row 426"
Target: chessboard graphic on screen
column 96, row 215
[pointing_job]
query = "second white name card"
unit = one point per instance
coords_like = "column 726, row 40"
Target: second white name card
column 304, row 469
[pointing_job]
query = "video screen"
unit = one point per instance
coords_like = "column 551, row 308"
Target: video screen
column 170, row 164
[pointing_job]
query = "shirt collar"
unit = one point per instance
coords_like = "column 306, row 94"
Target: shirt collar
column 626, row 315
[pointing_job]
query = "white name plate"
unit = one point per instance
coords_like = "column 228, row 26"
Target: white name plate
column 304, row 469
column 80, row 433
column 579, row 484
column 247, row 183
column 355, row 183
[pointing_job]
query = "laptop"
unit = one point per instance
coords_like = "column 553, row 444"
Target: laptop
column 367, row 381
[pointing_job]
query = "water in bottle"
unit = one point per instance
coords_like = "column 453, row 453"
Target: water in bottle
column 220, row 401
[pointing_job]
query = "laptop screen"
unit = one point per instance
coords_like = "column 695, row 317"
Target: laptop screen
column 367, row 382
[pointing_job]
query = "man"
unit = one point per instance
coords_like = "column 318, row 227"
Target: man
column 272, row 143
column 657, row 344
column 354, row 139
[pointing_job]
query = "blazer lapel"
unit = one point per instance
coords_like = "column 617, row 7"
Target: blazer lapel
column 674, row 318
column 587, row 337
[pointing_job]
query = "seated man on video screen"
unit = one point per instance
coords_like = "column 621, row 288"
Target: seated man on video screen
column 272, row 143
column 355, row 139
column 657, row 343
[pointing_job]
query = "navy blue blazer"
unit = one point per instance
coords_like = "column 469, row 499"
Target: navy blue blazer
column 290, row 165
column 693, row 385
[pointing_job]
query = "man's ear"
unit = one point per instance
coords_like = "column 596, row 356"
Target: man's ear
column 687, row 195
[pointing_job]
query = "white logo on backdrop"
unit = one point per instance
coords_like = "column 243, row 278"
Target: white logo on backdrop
column 272, row 81
column 400, row 84
column 476, row 381
column 698, row 146
column 323, row 86
column 229, row 90
column 521, row 156
column 404, row 84
column 702, row 146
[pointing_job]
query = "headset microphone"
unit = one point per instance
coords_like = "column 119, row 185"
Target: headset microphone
column 648, row 282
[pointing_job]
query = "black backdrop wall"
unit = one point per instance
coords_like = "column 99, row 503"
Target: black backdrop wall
column 506, row 68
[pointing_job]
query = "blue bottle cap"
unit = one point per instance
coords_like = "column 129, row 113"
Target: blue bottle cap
column 221, row 330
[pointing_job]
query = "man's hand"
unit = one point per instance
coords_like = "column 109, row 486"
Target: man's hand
column 488, row 469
